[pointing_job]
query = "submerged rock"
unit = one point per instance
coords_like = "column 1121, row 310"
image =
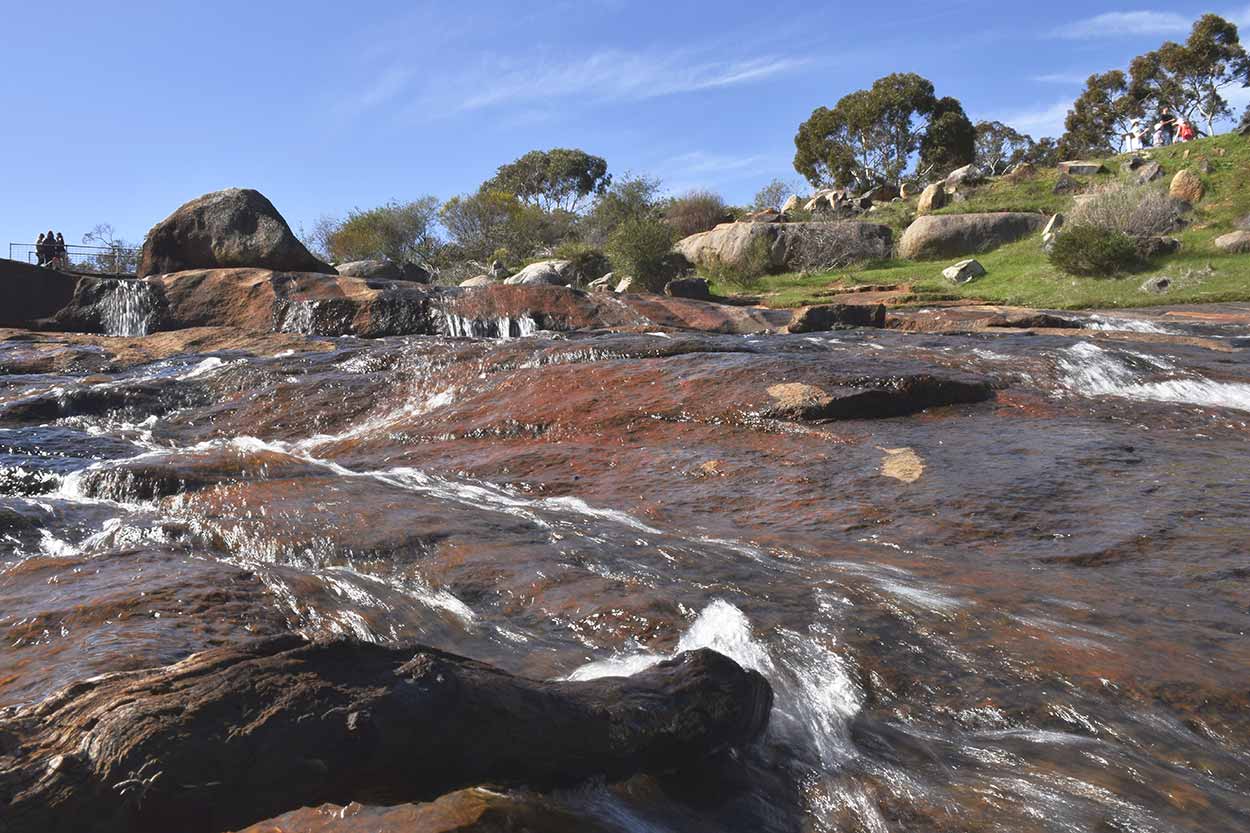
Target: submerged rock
column 474, row 810
column 833, row 316
column 232, row 736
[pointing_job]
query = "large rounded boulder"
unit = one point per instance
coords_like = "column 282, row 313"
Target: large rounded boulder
column 788, row 245
column 957, row 235
column 237, row 227
column 543, row 273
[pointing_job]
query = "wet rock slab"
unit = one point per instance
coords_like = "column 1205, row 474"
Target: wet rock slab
column 474, row 810
column 235, row 735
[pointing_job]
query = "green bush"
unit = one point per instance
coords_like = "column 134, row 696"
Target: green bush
column 1094, row 252
column 588, row 262
column 696, row 211
column 639, row 247
column 399, row 232
column 746, row 272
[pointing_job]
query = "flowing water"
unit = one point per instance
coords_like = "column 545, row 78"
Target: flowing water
column 1028, row 613
column 127, row 308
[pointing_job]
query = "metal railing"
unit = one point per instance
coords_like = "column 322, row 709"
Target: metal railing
column 104, row 260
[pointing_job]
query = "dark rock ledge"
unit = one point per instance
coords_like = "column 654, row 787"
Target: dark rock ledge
column 229, row 737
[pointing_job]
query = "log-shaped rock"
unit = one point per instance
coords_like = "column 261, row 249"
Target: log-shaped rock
column 232, row 736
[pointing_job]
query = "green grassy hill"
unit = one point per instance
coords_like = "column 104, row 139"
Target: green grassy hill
column 1020, row 273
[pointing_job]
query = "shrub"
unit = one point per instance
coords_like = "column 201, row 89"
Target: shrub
column 588, row 262
column 1094, row 252
column 399, row 232
column 695, row 211
column 755, row 263
column 639, row 247
column 771, row 196
column 1138, row 211
column 628, row 196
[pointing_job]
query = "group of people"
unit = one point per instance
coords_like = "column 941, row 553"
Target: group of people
column 1167, row 130
column 51, row 251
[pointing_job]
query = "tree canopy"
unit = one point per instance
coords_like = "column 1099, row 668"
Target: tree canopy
column 999, row 147
column 399, row 232
column 874, row 136
column 1101, row 116
column 560, row 179
column 1189, row 78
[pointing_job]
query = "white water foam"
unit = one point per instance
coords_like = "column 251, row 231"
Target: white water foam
column 1118, row 324
column 503, row 327
column 815, row 695
column 1090, row 370
column 127, row 308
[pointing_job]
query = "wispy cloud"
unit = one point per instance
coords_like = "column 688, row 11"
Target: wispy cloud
column 699, row 162
column 1039, row 122
column 1117, row 24
column 609, row 75
column 1061, row 78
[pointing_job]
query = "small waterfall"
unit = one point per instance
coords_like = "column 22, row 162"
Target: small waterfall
column 127, row 308
column 458, row 326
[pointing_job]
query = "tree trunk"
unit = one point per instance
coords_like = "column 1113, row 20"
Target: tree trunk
column 229, row 737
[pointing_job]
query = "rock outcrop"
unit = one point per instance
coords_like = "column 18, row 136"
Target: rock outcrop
column 932, row 198
column 1187, row 187
column 964, row 272
column 695, row 288
column 788, row 245
column 1237, row 242
column 1148, row 172
column 825, row 317
column 956, row 235
column 237, row 227
column 384, row 269
column 543, row 273
column 236, row 735
column 369, row 269
column 967, row 175
column 1065, row 184
column 1081, row 168
column 32, row 293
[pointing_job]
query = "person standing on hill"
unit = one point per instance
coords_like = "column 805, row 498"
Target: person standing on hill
column 1166, row 126
column 41, row 250
column 1186, row 131
column 62, row 253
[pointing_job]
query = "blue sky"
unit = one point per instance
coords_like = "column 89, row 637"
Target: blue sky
column 127, row 110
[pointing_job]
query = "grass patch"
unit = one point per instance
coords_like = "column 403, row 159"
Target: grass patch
column 1020, row 274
